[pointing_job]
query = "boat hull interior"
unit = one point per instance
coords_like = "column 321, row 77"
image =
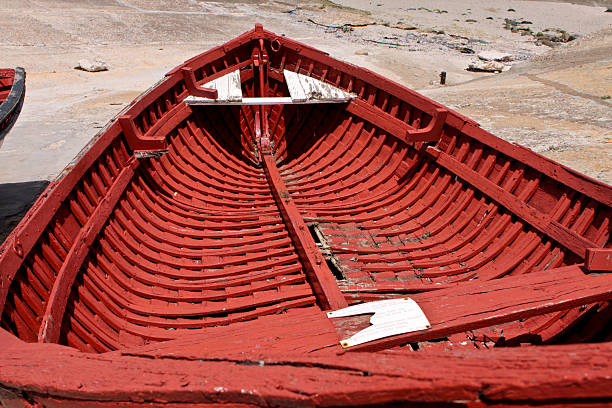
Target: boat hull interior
column 182, row 222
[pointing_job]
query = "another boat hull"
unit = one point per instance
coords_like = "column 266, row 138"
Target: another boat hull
column 12, row 95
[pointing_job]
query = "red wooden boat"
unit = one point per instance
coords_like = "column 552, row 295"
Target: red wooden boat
column 268, row 226
column 12, row 94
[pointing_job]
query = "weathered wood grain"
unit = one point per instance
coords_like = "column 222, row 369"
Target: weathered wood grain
column 567, row 375
column 477, row 304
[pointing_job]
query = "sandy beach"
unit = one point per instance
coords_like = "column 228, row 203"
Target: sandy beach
column 551, row 96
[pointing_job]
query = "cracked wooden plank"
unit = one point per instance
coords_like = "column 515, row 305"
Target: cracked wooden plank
column 477, row 304
column 566, row 375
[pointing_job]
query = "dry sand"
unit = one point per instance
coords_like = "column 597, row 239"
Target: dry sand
column 550, row 99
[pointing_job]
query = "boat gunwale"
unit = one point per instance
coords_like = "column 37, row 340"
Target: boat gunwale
column 11, row 106
column 489, row 377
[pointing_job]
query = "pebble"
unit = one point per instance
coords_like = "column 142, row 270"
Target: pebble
column 401, row 26
column 361, row 52
column 92, row 66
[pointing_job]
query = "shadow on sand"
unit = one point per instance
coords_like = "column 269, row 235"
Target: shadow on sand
column 15, row 201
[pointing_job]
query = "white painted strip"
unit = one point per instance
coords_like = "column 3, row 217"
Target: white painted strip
column 295, row 87
column 221, row 87
column 391, row 317
column 229, row 88
column 234, row 86
column 193, row 100
column 302, row 87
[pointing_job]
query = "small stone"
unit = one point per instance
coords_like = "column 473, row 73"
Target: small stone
column 96, row 65
column 489, row 18
column 466, row 50
column 511, row 9
column 485, row 66
column 494, row 56
column 401, row 26
column 361, row 52
column 471, row 20
column 555, row 35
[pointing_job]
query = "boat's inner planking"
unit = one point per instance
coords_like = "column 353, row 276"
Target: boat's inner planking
column 7, row 77
column 258, row 210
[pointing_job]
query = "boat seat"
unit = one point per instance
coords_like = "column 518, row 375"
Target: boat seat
column 302, row 90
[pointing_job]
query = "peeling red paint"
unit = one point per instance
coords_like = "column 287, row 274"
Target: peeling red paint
column 195, row 249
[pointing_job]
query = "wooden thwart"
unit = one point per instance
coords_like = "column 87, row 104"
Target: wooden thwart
column 476, row 304
column 302, row 90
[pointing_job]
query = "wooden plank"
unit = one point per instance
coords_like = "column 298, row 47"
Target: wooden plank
column 477, row 304
column 234, row 86
column 570, row 375
column 303, row 330
column 31, row 227
column 295, row 86
column 571, row 178
column 318, row 273
column 542, row 222
column 52, row 319
column 599, row 259
column 303, row 88
column 595, row 189
column 194, row 100
column 229, row 87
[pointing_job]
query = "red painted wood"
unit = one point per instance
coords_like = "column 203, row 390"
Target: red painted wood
column 12, row 96
column 553, row 229
column 192, row 86
column 210, row 240
column 137, row 142
column 52, row 318
column 599, row 259
column 473, row 305
column 319, row 274
column 396, row 127
column 567, row 375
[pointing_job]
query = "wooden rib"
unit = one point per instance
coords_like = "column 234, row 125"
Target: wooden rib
column 541, row 222
column 319, row 275
column 52, row 318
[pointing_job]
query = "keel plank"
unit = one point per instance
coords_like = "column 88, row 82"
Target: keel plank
column 318, row 273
